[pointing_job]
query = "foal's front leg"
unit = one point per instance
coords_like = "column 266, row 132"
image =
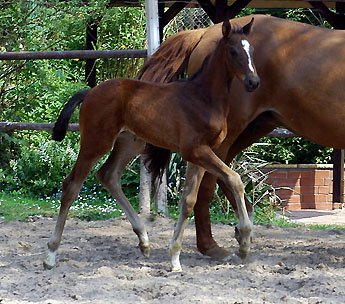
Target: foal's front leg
column 205, row 157
column 190, row 191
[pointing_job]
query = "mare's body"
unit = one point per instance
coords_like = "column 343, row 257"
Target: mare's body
column 302, row 68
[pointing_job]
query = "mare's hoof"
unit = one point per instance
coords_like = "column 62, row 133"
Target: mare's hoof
column 218, row 254
column 243, row 254
column 145, row 250
column 237, row 235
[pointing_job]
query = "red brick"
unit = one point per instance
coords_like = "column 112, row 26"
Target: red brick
column 308, row 198
column 307, row 182
column 327, row 181
column 308, row 190
column 321, row 198
column 294, row 174
column 285, row 192
column 337, row 206
column 300, row 174
column 278, row 174
column 329, row 198
column 307, row 205
column 323, row 189
column 289, row 182
column 295, row 206
column 294, row 199
column 323, row 206
column 319, row 181
column 322, row 173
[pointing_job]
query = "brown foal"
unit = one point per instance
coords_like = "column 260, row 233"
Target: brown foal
column 189, row 117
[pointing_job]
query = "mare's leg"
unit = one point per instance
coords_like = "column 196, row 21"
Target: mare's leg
column 205, row 157
column 194, row 175
column 206, row 244
column 126, row 147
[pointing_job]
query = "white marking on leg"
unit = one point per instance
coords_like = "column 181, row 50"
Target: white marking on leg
column 50, row 259
column 246, row 47
column 175, row 251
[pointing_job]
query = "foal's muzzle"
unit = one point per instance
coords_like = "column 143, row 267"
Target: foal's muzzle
column 251, row 82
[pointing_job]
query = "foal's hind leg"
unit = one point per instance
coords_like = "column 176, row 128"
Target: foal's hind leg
column 194, row 176
column 70, row 190
column 126, row 147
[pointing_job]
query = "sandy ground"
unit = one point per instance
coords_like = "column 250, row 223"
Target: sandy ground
column 99, row 262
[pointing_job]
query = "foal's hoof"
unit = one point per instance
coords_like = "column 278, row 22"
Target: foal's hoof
column 49, row 261
column 175, row 269
column 239, row 238
column 145, row 250
column 47, row 266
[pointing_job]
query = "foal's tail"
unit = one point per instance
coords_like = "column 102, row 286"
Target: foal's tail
column 60, row 127
column 167, row 64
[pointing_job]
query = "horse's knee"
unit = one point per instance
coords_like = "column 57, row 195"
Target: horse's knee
column 236, row 183
column 108, row 177
column 69, row 189
column 188, row 206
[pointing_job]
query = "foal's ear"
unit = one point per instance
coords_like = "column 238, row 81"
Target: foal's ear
column 226, row 29
column 247, row 28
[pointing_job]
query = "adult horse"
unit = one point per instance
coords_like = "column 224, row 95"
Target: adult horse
column 302, row 68
column 189, row 117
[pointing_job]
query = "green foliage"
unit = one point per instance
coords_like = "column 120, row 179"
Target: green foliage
column 292, row 151
column 35, row 91
column 41, row 166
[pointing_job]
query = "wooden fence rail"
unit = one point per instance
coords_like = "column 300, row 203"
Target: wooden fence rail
column 80, row 54
column 75, row 128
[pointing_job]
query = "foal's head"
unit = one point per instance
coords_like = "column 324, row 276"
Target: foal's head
column 239, row 54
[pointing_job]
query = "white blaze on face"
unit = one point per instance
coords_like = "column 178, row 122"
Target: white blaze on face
column 246, row 47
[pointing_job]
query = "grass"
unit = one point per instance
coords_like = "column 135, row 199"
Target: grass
column 285, row 223
column 86, row 207
column 99, row 206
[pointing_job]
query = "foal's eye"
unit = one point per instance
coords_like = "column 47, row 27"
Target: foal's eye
column 233, row 52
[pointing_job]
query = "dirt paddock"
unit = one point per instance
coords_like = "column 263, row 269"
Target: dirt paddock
column 99, row 262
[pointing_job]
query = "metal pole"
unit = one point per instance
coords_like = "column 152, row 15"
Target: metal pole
column 338, row 155
column 153, row 41
column 152, row 26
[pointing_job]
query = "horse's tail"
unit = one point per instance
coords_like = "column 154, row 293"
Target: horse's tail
column 167, row 64
column 60, row 127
